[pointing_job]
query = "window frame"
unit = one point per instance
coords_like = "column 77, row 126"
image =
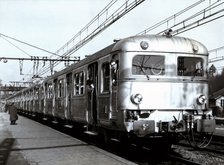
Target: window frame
column 78, row 86
column 105, row 77
column 60, row 88
column 148, row 71
column 49, row 91
column 192, row 72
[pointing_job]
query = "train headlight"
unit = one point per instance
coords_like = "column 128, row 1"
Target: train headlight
column 144, row 45
column 195, row 48
column 201, row 99
column 136, row 98
column 5, row 60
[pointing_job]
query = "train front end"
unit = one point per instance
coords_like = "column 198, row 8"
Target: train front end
column 163, row 87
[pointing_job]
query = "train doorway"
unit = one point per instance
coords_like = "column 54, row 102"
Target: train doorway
column 68, row 96
column 92, row 85
column 114, row 65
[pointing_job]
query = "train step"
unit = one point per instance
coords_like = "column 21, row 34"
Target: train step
column 93, row 133
column 68, row 126
column 54, row 122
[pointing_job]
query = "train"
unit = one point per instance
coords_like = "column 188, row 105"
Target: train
column 147, row 88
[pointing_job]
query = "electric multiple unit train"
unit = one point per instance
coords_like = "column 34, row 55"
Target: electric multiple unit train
column 142, row 87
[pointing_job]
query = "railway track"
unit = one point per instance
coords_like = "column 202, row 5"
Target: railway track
column 214, row 147
column 141, row 155
column 213, row 154
column 181, row 160
column 145, row 156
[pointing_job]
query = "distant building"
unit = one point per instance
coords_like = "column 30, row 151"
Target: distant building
column 217, row 103
column 217, row 99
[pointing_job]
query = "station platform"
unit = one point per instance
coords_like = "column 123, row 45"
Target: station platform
column 31, row 143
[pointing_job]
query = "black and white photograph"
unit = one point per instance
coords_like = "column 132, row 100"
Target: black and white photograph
column 116, row 82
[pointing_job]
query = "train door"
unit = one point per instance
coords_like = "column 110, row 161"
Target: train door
column 114, row 65
column 54, row 96
column 41, row 100
column 68, row 95
column 60, row 97
column 105, row 90
column 92, row 85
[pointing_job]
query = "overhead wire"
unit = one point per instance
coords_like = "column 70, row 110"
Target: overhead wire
column 207, row 15
column 216, row 60
column 68, row 53
column 3, row 36
column 15, row 46
column 36, row 47
column 217, row 49
column 117, row 14
column 35, row 59
column 109, row 20
column 170, row 18
column 174, row 17
column 188, row 26
column 20, row 61
column 105, row 9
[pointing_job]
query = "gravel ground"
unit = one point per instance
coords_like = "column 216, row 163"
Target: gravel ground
column 201, row 157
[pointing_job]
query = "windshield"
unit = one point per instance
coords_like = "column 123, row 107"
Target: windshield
column 190, row 66
column 148, row 65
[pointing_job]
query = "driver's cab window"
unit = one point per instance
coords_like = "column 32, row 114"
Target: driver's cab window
column 190, row 66
column 148, row 65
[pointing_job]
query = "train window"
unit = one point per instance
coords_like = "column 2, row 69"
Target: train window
column 190, row 66
column 61, row 88
column 114, row 71
column 148, row 65
column 106, row 76
column 49, row 91
column 36, row 93
column 42, row 93
column 79, row 83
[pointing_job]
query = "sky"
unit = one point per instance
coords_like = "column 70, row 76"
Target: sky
column 49, row 24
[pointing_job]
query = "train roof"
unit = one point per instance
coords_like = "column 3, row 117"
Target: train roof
column 89, row 59
column 148, row 43
column 161, row 43
column 156, row 43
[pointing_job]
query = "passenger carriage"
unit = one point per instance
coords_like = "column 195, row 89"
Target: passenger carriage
column 141, row 86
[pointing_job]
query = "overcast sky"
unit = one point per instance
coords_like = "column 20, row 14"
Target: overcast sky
column 49, row 24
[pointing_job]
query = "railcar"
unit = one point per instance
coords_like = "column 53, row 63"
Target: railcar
column 146, row 87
